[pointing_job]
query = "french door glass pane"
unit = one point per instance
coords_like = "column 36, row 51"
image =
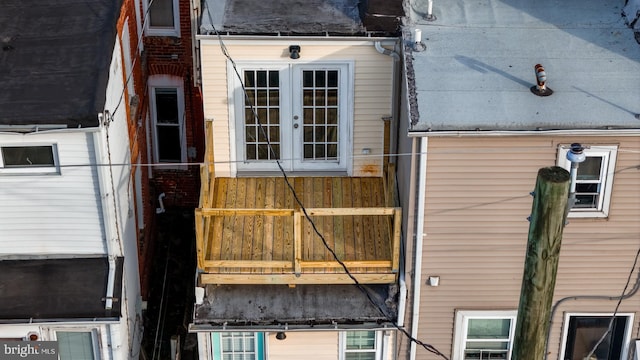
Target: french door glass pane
column 262, row 115
column 75, row 345
column 161, row 13
column 320, row 114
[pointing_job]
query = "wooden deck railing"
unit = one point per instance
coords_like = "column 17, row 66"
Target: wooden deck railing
column 296, row 262
column 293, row 262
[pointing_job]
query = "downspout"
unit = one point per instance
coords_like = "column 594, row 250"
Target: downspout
column 419, row 233
column 105, row 195
column 395, row 95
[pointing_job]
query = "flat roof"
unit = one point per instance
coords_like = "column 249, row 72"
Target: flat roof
column 54, row 60
column 301, row 17
column 302, row 306
column 58, row 289
column 477, row 71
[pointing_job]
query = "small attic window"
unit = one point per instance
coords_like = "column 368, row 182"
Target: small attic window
column 41, row 159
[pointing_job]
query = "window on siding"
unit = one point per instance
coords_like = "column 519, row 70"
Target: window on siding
column 584, row 331
column 28, row 159
column 360, row 345
column 77, row 345
column 238, row 346
column 594, row 180
column 484, row 335
column 167, row 112
column 163, row 17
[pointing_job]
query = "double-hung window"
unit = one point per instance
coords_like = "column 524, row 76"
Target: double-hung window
column 163, row 18
column 594, row 180
column 29, row 159
column 484, row 335
column 360, row 345
column 237, row 346
column 582, row 332
column 167, row 111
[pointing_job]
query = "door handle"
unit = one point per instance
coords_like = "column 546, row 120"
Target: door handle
column 295, row 126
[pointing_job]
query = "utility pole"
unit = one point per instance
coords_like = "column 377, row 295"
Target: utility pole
column 548, row 217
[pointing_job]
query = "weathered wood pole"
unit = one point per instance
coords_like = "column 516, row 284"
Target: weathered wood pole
column 541, row 263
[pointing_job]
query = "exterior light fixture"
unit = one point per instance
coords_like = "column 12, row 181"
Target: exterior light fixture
column 541, row 88
column 294, row 51
column 433, row 280
column 281, row 335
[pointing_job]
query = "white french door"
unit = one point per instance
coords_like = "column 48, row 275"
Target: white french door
column 294, row 113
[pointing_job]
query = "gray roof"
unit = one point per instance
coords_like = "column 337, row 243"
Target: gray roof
column 301, row 17
column 299, row 307
column 478, row 66
column 54, row 60
column 56, row 289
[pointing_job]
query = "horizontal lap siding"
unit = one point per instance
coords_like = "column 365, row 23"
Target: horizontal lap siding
column 372, row 94
column 31, row 216
column 304, row 345
column 476, row 231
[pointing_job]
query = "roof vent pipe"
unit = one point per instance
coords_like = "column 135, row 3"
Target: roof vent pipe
column 541, row 88
column 417, row 44
column 575, row 155
column 430, row 16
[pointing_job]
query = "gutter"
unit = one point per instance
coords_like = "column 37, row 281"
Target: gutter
column 571, row 132
column 419, row 233
column 198, row 328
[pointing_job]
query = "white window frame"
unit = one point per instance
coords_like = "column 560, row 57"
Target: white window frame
column 161, row 30
column 36, row 170
column 290, row 72
column 377, row 350
column 627, row 331
column 167, row 81
column 461, row 327
column 96, row 336
column 258, row 339
column 608, row 154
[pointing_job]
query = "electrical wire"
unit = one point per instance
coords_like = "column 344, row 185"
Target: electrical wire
column 426, row 346
column 615, row 311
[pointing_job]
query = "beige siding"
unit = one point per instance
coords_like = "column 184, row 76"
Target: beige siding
column 476, row 231
column 303, row 345
column 372, row 93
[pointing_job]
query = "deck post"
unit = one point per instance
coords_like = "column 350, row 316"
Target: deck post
column 297, row 242
column 397, row 224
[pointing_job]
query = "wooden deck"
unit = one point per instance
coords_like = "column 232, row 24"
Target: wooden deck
column 253, row 231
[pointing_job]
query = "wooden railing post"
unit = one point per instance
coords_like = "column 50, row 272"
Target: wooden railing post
column 397, row 224
column 297, row 242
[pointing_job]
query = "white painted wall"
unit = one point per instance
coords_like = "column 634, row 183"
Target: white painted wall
column 53, row 214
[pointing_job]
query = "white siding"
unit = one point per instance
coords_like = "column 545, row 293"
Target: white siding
column 53, row 214
column 372, row 99
column 476, row 231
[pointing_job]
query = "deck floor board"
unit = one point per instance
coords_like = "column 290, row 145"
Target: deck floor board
column 268, row 237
